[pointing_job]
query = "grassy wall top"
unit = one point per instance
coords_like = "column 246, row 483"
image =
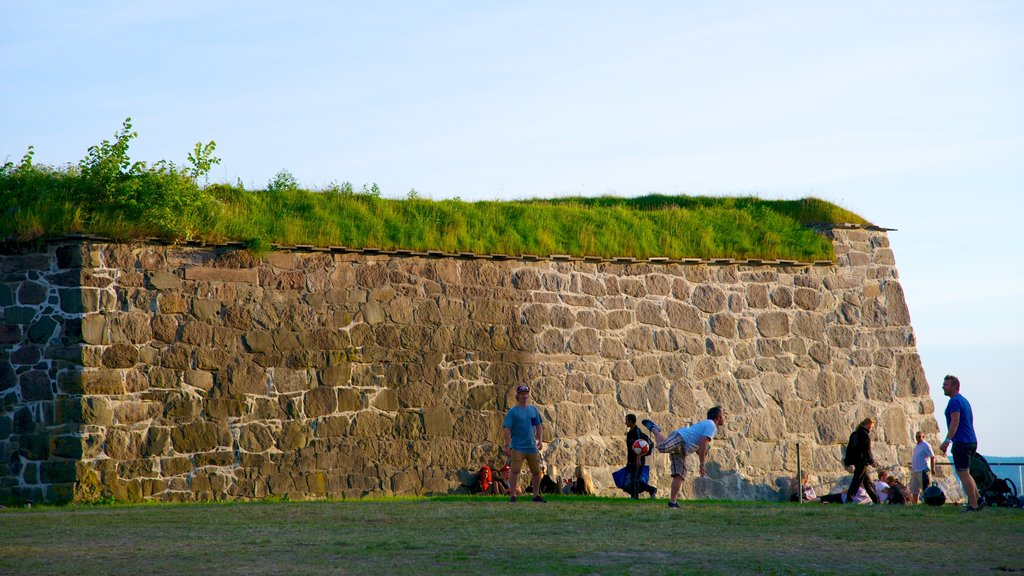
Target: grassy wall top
column 109, row 195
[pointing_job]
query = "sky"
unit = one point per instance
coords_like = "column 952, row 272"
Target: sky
column 907, row 113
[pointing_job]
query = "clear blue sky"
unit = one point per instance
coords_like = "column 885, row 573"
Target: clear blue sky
column 908, row 113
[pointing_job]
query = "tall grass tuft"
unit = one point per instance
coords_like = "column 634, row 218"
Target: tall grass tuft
column 108, row 194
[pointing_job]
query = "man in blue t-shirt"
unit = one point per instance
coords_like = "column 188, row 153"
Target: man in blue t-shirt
column 524, row 439
column 679, row 443
column 960, row 426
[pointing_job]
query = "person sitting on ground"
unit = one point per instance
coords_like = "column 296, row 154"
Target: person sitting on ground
column 898, row 492
column 882, row 486
column 584, row 484
column 484, row 481
column 861, row 497
column 805, row 487
column 547, row 484
column 501, row 481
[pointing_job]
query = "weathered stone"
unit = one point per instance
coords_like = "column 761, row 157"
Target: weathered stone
column 200, row 436
column 32, row 293
column 165, row 328
column 320, row 401
column 102, row 382
column 807, row 299
column 782, row 297
column 121, row 355
column 225, row 408
column 377, row 424
column 246, row 276
column 197, row 334
column 585, row 341
column 386, row 400
column 255, row 437
column 162, row 280
column 35, row 386
column 879, row 385
column 899, row 314
column 723, row 325
column 551, row 342
column 97, row 410
column 172, row 303
column 830, row 426
column 334, row 376
column 773, row 324
column 350, row 400
column 648, row 312
column 809, row 325
column 243, row 377
column 708, row 298
column 182, row 407
column 157, row 443
column 437, row 421
column 757, row 296
column 684, row 317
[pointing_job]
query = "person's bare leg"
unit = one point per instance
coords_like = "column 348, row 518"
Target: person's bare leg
column 677, row 484
column 969, row 487
column 536, row 484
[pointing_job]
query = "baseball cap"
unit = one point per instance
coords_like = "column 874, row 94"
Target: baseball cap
column 523, row 388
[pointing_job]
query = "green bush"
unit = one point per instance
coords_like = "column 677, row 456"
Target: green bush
column 107, row 193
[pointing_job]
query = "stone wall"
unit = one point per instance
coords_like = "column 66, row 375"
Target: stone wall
column 151, row 372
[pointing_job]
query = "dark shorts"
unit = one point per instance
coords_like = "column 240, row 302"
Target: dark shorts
column 962, row 454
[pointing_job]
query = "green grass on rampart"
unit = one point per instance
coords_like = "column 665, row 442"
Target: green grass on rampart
column 485, row 535
column 108, row 194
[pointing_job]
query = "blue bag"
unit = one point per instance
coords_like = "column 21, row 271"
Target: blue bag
column 624, row 480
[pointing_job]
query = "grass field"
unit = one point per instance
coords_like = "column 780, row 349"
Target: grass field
column 477, row 535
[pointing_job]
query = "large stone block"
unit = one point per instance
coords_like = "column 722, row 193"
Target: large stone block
column 773, row 324
column 224, row 408
column 164, row 280
column 96, row 410
column 585, row 341
column 120, row 355
column 200, row 436
column 320, row 401
column 684, row 317
column 437, row 421
column 243, row 376
column 99, row 382
column 337, row 375
column 35, row 386
column 294, row 435
column 241, row 275
column 172, row 303
column 899, row 314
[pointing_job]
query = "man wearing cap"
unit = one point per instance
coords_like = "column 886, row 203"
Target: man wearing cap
column 524, row 439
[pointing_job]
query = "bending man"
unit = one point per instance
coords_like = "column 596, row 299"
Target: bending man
column 679, row 443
